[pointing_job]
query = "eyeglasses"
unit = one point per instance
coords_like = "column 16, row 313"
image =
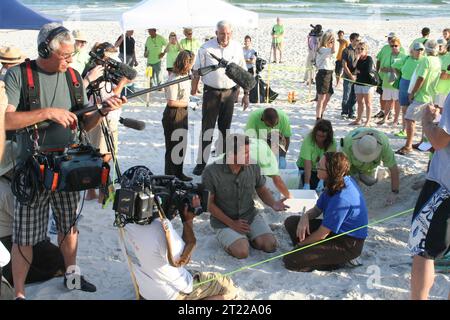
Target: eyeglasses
column 394, row 46
column 189, row 33
column 359, row 49
column 65, row 56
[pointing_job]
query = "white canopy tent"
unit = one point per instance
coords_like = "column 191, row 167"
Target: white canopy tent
column 185, row 13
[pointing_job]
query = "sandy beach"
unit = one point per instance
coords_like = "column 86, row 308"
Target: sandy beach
column 385, row 273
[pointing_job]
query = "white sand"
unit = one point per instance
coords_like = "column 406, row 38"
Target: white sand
column 99, row 255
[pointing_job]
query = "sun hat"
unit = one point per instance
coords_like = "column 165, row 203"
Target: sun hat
column 9, row 157
column 392, row 35
column 431, row 46
column 366, row 147
column 11, row 55
column 79, row 35
column 418, row 46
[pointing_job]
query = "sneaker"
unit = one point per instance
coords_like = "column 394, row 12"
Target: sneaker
column 352, row 117
column 184, row 178
column 353, row 263
column 380, row 114
column 344, row 116
column 84, row 285
column 198, row 170
column 401, row 134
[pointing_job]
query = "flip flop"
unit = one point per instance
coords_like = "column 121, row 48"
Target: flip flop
column 403, row 151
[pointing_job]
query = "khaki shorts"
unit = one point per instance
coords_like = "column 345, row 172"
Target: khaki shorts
column 439, row 100
column 97, row 139
column 218, row 286
column 415, row 111
column 228, row 236
column 390, row 94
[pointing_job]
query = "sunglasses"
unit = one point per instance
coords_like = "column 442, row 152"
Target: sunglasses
column 359, row 49
column 394, row 46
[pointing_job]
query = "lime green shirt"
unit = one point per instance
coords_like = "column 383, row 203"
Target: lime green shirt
column 430, row 70
column 422, row 40
column 154, row 47
column 388, row 60
column 278, row 30
column 407, row 66
column 387, row 155
column 257, row 128
column 311, row 151
column 80, row 60
column 261, row 153
column 172, row 54
column 191, row 45
column 443, row 86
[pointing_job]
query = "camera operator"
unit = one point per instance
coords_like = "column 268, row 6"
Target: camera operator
column 161, row 257
column 234, row 217
column 56, row 92
column 99, row 90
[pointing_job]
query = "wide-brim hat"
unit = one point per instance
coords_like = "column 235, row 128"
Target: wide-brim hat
column 11, row 55
column 79, row 35
column 9, row 157
column 366, row 147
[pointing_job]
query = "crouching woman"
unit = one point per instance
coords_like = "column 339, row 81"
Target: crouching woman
column 344, row 211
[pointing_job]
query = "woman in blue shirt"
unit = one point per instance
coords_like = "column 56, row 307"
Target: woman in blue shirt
column 344, row 210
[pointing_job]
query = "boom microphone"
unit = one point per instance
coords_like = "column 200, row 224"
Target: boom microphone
column 239, row 75
column 132, row 123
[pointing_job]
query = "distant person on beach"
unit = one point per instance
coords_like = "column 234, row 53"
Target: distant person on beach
column 325, row 63
column 363, row 88
column 344, row 209
column 313, row 40
column 391, row 82
column 422, row 92
column 316, row 143
column 424, row 38
column 343, row 43
column 277, row 41
column 171, row 51
column 130, row 44
column 249, row 54
column 446, row 34
column 189, row 42
column 81, row 57
column 349, row 67
column 429, row 238
column 154, row 53
column 270, row 125
column 407, row 67
column 443, row 87
column 366, row 149
column 232, row 182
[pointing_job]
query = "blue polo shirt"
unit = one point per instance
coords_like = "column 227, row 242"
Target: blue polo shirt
column 345, row 211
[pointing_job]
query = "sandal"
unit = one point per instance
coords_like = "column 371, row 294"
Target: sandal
column 380, row 123
column 416, row 145
column 403, row 151
column 355, row 123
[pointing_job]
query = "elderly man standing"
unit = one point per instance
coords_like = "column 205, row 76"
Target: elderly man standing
column 154, row 52
column 429, row 237
column 366, row 148
column 219, row 92
column 81, row 57
column 277, row 41
column 189, row 43
column 57, row 97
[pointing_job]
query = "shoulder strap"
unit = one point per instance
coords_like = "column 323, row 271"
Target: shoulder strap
column 75, row 84
column 30, row 86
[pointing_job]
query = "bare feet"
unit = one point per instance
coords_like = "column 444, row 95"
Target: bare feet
column 355, row 123
column 91, row 195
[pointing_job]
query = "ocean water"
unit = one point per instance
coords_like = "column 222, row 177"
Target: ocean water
column 358, row 9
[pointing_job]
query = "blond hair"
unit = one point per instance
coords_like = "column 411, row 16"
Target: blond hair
column 327, row 37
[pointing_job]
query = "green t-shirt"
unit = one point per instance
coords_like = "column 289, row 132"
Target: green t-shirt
column 257, row 128
column 191, row 45
column 422, row 40
column 80, row 60
column 172, row 54
column 443, row 86
column 54, row 93
column 407, row 66
column 388, row 60
column 261, row 153
column 387, row 154
column 311, row 151
column 430, row 70
column 278, row 30
column 154, row 47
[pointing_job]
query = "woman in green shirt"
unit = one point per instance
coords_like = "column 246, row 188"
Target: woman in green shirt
column 319, row 141
column 172, row 50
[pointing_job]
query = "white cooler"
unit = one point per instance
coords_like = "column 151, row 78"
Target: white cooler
column 301, row 199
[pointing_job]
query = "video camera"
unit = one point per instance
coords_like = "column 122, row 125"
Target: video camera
column 316, row 30
column 260, row 63
column 114, row 70
column 143, row 195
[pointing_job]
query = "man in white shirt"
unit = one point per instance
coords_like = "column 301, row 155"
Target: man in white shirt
column 160, row 277
column 220, row 92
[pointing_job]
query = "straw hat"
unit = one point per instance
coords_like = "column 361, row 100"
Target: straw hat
column 11, row 55
column 366, row 147
column 79, row 35
column 9, row 157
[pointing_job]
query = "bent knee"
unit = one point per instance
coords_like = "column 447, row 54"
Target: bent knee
column 239, row 249
column 266, row 243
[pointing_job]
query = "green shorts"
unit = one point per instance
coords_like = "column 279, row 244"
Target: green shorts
column 227, row 236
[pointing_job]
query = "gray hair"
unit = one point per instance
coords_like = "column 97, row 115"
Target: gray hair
column 222, row 24
column 432, row 47
column 64, row 37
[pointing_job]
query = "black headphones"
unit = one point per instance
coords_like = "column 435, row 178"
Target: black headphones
column 44, row 50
